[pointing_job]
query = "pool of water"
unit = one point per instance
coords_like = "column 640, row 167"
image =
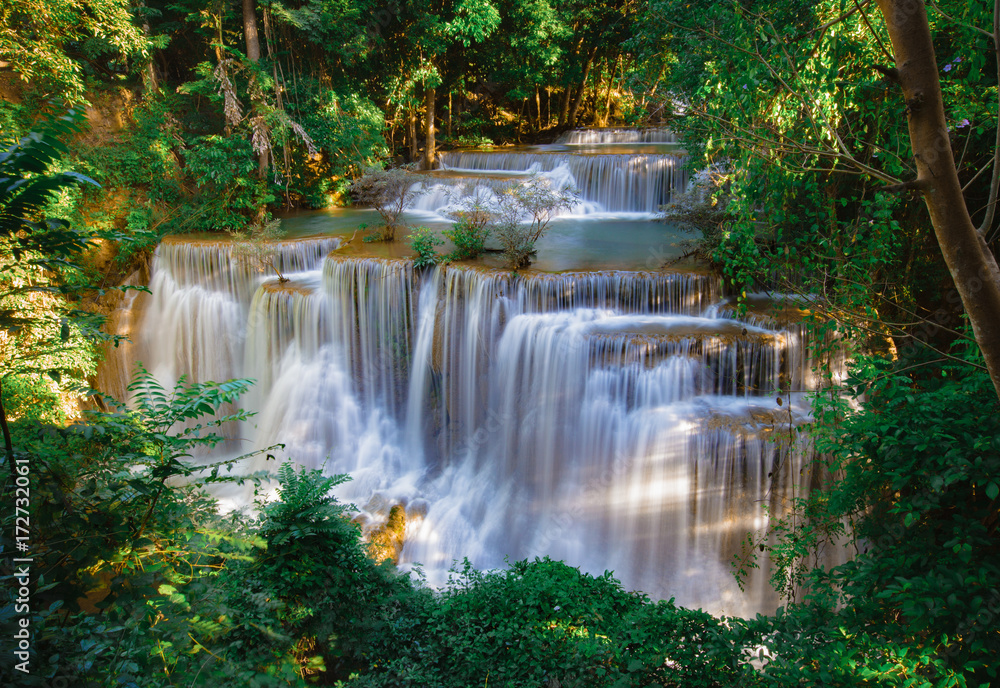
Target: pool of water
column 595, row 242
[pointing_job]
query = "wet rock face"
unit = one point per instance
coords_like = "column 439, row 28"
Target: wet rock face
column 386, row 540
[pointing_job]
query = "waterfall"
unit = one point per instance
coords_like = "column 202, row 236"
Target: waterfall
column 194, row 321
column 623, row 420
column 607, row 183
column 616, row 135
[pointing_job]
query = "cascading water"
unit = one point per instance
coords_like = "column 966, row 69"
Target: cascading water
column 200, row 295
column 613, row 135
column 629, row 177
column 622, row 420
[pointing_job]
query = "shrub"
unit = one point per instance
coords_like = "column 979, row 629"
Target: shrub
column 535, row 201
column 119, row 510
column 423, row 242
column 314, row 597
column 469, row 232
column 542, row 622
column 919, row 482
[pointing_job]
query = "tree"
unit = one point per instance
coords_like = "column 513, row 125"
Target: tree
column 534, row 200
column 51, row 42
column 785, row 96
column 254, row 245
column 389, row 192
column 436, row 29
column 970, row 261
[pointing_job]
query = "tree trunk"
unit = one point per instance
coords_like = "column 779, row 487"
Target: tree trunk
column 538, row 110
column 611, row 88
column 411, row 131
column 972, row 267
column 250, row 30
column 449, row 113
column 149, row 74
column 583, row 87
column 253, row 54
column 564, row 106
column 430, row 154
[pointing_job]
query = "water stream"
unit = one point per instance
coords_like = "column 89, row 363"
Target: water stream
column 621, row 419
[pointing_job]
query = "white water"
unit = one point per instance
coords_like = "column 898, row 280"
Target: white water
column 619, row 420
column 613, row 135
column 634, row 182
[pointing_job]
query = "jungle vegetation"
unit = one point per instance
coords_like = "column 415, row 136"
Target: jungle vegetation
column 853, row 147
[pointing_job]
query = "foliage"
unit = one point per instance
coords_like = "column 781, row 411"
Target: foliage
column 315, row 583
column 535, row 202
column 389, row 192
column 225, row 169
column 115, row 530
column 469, row 232
column 347, row 130
column 799, row 217
column 915, row 502
column 56, row 43
column 44, row 338
column 544, row 623
column 423, row 242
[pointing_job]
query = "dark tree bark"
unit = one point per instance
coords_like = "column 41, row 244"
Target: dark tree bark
column 253, row 54
column 571, row 121
column 564, row 106
column 973, row 267
column 430, row 151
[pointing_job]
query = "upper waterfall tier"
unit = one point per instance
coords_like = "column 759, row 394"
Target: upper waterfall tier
column 638, row 182
column 616, row 135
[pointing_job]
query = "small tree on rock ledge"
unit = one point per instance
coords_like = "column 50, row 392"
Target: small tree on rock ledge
column 536, row 201
column 388, row 192
column 255, row 246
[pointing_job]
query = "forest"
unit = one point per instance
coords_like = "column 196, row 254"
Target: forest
column 844, row 155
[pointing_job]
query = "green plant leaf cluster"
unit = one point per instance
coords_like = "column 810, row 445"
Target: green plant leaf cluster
column 542, row 622
column 915, row 502
column 423, row 242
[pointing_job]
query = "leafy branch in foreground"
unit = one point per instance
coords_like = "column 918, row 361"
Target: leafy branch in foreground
column 123, row 526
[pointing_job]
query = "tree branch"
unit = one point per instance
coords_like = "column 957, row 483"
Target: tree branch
column 991, row 205
column 911, row 185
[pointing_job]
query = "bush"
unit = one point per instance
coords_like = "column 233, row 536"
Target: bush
column 469, row 233
column 313, row 598
column 423, row 242
column 919, row 480
column 541, row 623
column 126, row 540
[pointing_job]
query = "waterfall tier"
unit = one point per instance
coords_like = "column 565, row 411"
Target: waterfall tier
column 195, row 318
column 610, row 135
column 621, row 183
